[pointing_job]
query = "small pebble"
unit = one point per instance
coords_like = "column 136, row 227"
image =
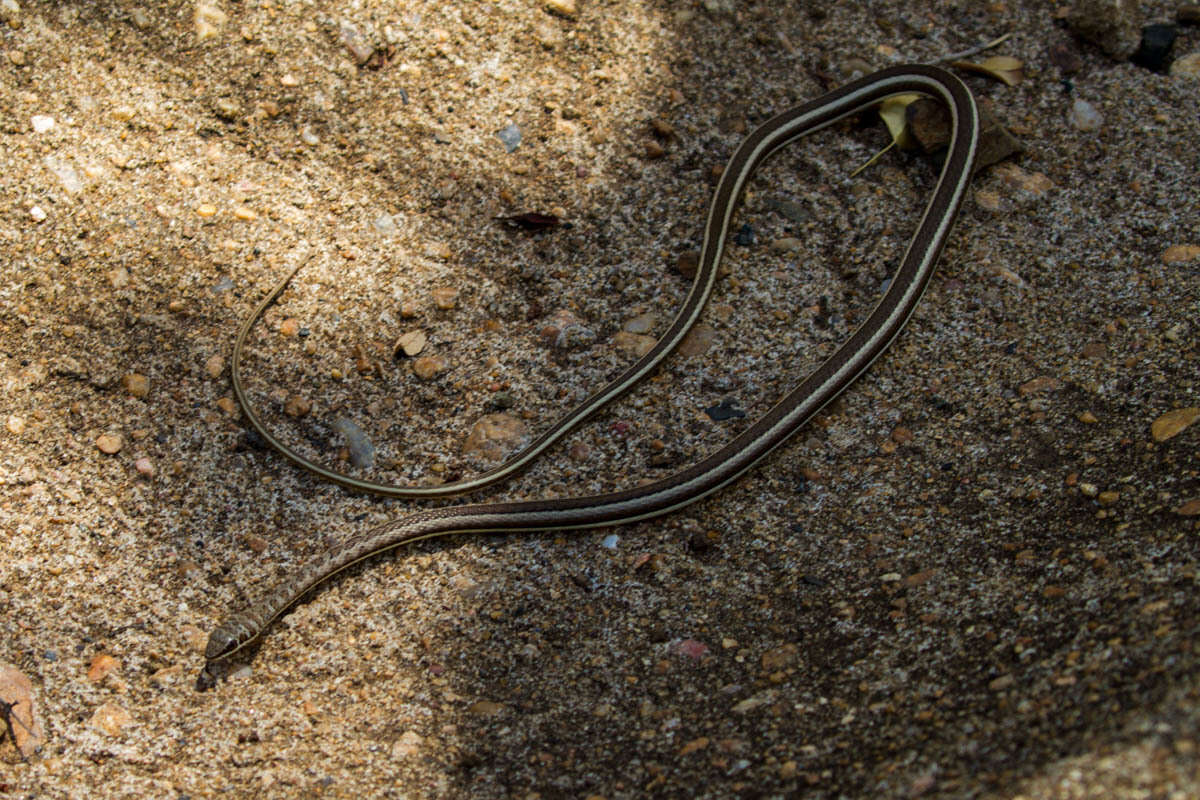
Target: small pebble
column 686, row 263
column 445, row 297
column 1064, row 56
column 297, row 406
column 485, row 708
column 1186, row 67
column 136, row 385
column 1113, row 25
column 385, row 224
column 214, row 366
column 42, row 123
column 309, row 136
column 494, row 436
column 510, row 135
column 567, row 331
column 206, row 210
column 356, row 43
column 144, row 467
column 411, row 343
column 109, row 443
column 407, row 745
column 697, row 342
column 1085, row 117
column 565, row 7
column 1038, row 385
column 780, row 658
column 1001, row 683
column 16, row 425
column 362, row 451
column 723, row 411
column 641, row 324
column 1154, row 50
column 289, row 327
column 102, row 665
column 66, row 175
column 37, row 213
column 162, row 678
column 110, row 719
column 1173, row 423
column 1181, row 253
column 228, row 406
column 633, row 344
column 427, row 367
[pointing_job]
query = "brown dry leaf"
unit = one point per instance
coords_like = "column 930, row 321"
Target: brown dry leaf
column 1005, row 69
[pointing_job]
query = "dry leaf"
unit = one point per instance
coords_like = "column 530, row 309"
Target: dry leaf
column 1005, row 69
column 892, row 112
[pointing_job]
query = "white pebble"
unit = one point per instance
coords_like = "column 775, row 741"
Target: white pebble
column 66, row 174
column 309, row 136
column 610, row 541
column 385, row 224
column 42, row 123
column 37, row 213
column 1085, row 117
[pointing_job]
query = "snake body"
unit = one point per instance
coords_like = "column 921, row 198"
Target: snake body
column 721, row 467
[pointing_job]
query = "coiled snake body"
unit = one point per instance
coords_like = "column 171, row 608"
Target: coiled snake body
column 718, row 469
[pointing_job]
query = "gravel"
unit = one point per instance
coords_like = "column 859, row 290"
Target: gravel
column 975, row 575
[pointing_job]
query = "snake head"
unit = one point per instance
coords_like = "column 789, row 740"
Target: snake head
column 221, row 643
column 226, row 640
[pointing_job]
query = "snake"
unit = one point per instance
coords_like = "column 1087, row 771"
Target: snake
column 652, row 499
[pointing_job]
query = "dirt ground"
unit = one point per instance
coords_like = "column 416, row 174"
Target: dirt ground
column 975, row 575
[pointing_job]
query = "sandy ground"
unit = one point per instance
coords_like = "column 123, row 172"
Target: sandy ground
column 974, row 575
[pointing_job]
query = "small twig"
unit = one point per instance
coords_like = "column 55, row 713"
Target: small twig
column 977, row 49
column 873, row 159
column 6, row 711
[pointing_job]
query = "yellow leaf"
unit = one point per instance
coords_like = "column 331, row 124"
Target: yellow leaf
column 892, row 112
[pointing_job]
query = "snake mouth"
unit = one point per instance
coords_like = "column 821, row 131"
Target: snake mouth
column 205, row 680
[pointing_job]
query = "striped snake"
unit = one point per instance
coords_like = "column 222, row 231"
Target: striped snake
column 716, row 470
